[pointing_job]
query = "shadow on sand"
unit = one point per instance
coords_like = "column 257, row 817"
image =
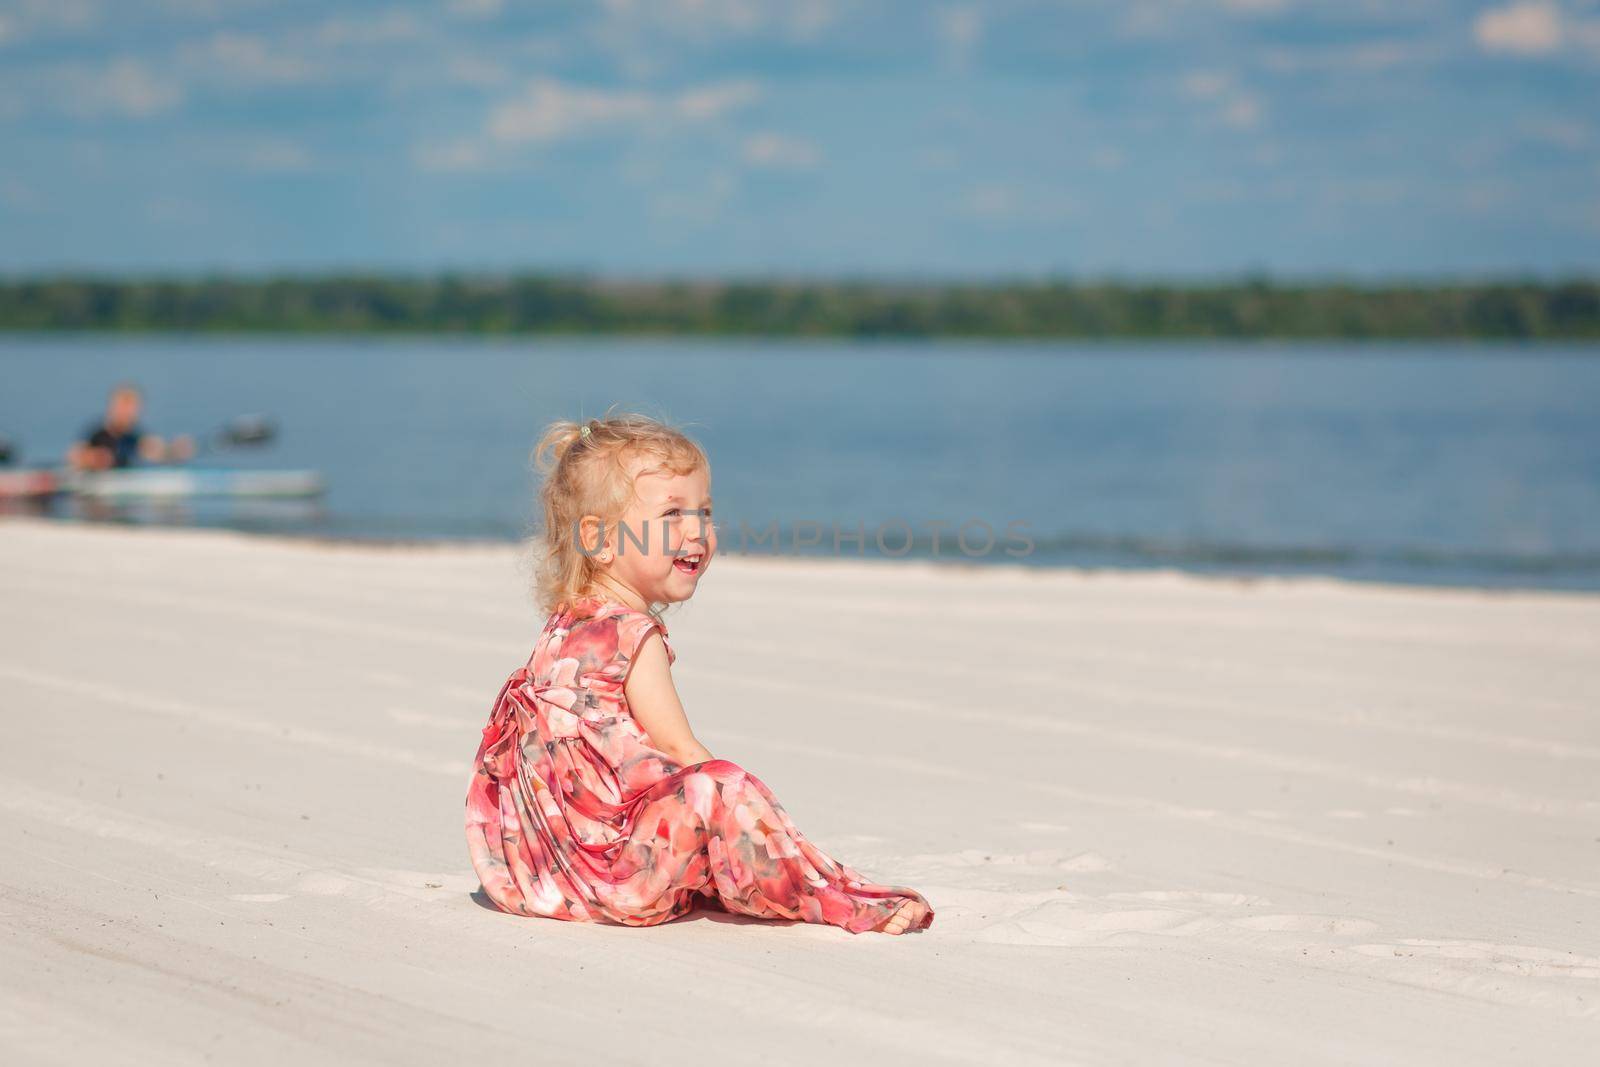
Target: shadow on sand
column 707, row 908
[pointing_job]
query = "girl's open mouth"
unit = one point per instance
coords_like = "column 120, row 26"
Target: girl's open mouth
column 690, row 564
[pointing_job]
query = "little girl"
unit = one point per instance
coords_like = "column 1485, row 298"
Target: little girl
column 591, row 798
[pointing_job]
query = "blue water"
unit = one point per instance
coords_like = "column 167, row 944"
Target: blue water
column 1438, row 463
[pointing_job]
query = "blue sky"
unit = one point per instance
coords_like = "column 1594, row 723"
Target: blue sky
column 1168, row 138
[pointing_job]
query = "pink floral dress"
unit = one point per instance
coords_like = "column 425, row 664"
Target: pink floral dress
column 573, row 814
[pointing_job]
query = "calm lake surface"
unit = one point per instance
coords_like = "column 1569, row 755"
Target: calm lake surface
column 1440, row 463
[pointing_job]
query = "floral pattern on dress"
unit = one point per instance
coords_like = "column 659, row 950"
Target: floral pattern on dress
column 573, row 814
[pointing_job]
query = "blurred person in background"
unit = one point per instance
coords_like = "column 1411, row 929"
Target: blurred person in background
column 118, row 441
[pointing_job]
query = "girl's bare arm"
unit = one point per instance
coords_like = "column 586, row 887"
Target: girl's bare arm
column 653, row 699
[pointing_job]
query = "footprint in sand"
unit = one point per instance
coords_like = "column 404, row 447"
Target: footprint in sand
column 1525, row 960
column 1076, row 922
column 1193, row 896
column 1065, row 918
column 1057, row 918
column 1307, row 924
column 1039, row 857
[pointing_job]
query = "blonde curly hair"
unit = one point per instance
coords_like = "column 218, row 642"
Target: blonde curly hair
column 585, row 470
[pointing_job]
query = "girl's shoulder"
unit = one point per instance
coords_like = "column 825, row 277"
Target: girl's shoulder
column 605, row 634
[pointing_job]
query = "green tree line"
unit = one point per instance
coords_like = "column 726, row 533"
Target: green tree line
column 574, row 304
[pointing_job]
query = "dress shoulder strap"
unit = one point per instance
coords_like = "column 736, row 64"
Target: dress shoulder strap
column 633, row 627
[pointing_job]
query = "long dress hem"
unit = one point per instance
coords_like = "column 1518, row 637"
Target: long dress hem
column 573, row 814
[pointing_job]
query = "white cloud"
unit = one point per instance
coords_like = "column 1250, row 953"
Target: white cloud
column 1522, row 29
column 550, row 110
column 961, row 28
column 1206, row 84
column 47, row 15
column 123, row 87
column 1230, row 104
column 776, row 150
column 797, row 19
column 1243, row 111
column 713, row 101
column 807, row 18
column 247, row 58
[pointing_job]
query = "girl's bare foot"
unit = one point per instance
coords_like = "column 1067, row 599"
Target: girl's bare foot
column 906, row 916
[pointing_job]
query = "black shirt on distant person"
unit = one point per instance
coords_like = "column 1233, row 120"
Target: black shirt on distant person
column 124, row 446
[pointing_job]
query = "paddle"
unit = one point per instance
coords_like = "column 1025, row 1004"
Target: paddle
column 246, row 431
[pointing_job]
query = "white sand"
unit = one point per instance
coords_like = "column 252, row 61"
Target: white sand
column 1160, row 818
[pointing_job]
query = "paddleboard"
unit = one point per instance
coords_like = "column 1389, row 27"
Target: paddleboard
column 162, row 481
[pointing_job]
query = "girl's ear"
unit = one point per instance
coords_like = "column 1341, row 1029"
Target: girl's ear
column 592, row 535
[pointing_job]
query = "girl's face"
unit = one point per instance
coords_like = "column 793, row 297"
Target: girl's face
column 665, row 540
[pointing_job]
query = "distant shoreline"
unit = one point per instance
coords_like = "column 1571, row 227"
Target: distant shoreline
column 558, row 305
column 1018, row 569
